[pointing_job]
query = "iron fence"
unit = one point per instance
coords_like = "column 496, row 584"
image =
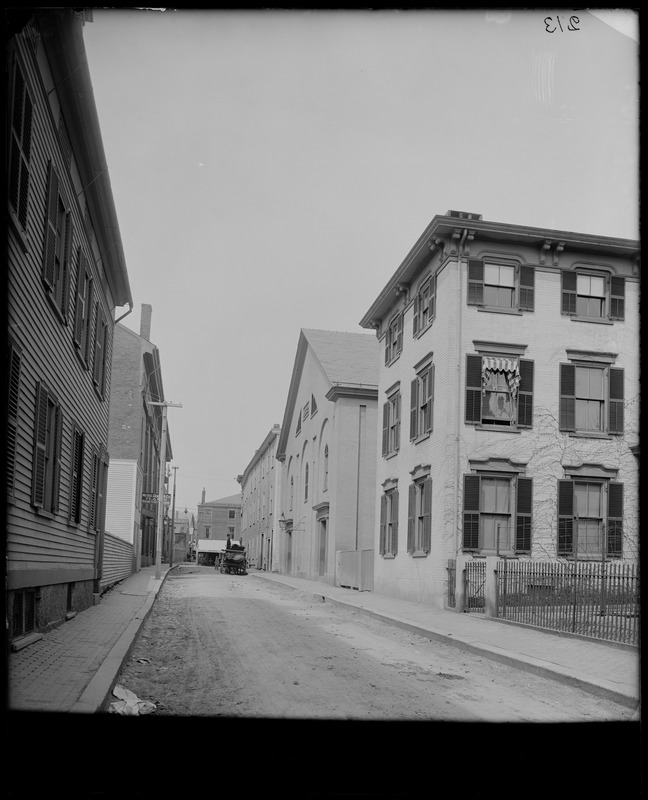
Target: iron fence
column 590, row 598
column 475, row 580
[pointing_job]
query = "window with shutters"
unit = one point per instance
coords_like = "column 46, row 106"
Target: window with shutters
column 499, row 391
column 388, row 545
column 590, row 518
column 58, row 246
column 591, row 399
column 98, row 485
column 14, row 357
column 419, row 517
column 83, row 307
column 497, row 514
column 76, row 476
column 46, row 465
column 19, row 149
column 424, row 305
column 498, row 286
column 593, row 296
column 394, row 338
column 101, row 344
column 391, row 424
column 422, row 401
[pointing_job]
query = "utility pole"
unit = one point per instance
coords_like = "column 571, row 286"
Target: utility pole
column 160, row 508
column 172, row 539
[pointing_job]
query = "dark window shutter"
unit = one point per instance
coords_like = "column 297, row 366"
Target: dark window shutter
column 76, row 476
column 87, row 327
column 473, row 388
column 57, row 456
column 40, row 447
column 394, row 510
column 66, row 268
column 527, row 288
column 567, row 416
column 565, row 517
column 94, row 491
column 568, row 292
column 615, row 519
column 79, row 306
column 471, row 512
column 414, row 409
column 397, row 412
column 523, row 521
column 411, row 513
column 475, row 282
column 617, row 298
column 385, row 433
column 20, row 146
column 615, row 404
column 429, row 411
column 13, row 404
column 433, row 291
column 427, row 515
column 415, row 319
column 49, row 255
column 383, row 521
column 525, row 394
column 99, row 344
column 399, row 334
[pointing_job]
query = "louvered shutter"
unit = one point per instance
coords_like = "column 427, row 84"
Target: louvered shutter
column 527, row 288
column 411, row 517
column 471, row 512
column 525, row 394
column 57, row 458
column 66, row 268
column 20, row 145
column 399, row 334
column 417, row 311
column 40, row 447
column 523, row 515
column 13, row 404
column 568, row 292
column 93, row 491
column 79, row 312
column 49, row 256
column 383, row 524
column 394, row 521
column 475, row 282
column 397, row 412
column 615, row 519
column 76, row 473
column 473, row 388
column 385, row 436
column 99, row 345
column 433, row 289
column 567, row 416
column 414, row 409
column 427, row 515
column 565, row 518
column 617, row 297
column 429, row 411
column 615, row 402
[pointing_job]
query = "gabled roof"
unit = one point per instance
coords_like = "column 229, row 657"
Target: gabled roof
column 348, row 360
column 231, row 500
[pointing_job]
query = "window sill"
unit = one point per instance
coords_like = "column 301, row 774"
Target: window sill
column 590, row 435
column 390, row 455
column 497, row 428
column 495, row 310
column 20, row 234
column 421, row 438
column 389, row 555
column 393, row 360
column 595, row 320
column 419, row 554
column 424, row 330
column 41, row 512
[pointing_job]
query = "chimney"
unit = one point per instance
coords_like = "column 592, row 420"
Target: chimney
column 145, row 322
column 203, row 496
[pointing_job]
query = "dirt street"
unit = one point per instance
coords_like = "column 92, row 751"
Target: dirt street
column 237, row 646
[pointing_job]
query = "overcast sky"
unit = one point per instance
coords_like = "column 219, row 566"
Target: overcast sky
column 272, row 169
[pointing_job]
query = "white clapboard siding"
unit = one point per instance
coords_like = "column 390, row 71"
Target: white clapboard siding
column 121, row 498
column 117, row 560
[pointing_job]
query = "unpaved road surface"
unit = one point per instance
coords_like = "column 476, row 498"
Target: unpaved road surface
column 239, row 646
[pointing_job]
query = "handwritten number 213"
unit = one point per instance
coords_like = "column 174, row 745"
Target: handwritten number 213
column 573, row 22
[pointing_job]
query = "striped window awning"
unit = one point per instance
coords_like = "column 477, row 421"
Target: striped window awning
column 496, row 364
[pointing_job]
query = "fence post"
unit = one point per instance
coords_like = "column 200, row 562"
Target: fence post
column 490, row 587
column 460, row 582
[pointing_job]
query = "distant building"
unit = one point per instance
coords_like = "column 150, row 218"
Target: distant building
column 218, row 518
column 66, row 278
column 327, row 450
column 258, row 484
column 135, row 442
column 181, row 535
column 509, row 394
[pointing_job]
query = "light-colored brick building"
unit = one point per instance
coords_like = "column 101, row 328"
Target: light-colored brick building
column 326, row 451
column 509, row 394
column 219, row 518
column 258, row 487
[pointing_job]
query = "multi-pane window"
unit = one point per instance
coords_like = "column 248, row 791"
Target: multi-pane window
column 505, row 286
column 388, row 545
column 58, row 246
column 499, row 391
column 20, row 147
column 497, row 513
column 419, row 517
column 46, row 470
column 591, row 398
column 422, row 402
column 592, row 295
column 590, row 518
column 425, row 305
column 83, row 306
column 13, row 404
column 76, row 476
column 394, row 338
column 232, row 513
column 391, row 424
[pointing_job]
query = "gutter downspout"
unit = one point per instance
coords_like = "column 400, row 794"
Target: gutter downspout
column 130, row 311
column 458, row 405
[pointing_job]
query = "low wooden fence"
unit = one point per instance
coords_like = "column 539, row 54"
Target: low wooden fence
column 590, row 598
